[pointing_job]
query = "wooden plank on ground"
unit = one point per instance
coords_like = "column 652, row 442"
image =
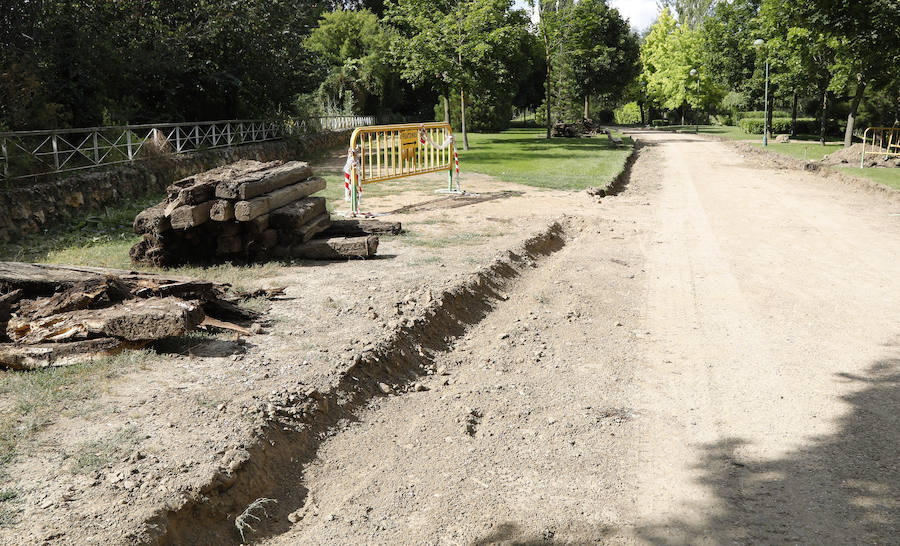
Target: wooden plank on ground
column 336, row 248
column 45, row 355
column 245, row 211
column 131, row 320
column 362, row 227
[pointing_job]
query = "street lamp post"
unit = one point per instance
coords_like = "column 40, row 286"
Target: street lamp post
column 759, row 43
column 695, row 72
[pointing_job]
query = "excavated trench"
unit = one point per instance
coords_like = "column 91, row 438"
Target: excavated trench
column 298, row 422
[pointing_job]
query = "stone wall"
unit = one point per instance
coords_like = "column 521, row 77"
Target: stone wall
column 34, row 206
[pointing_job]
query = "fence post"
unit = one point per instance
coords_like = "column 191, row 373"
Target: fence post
column 5, row 158
column 55, row 152
column 96, row 150
column 228, row 133
column 128, row 143
column 178, row 138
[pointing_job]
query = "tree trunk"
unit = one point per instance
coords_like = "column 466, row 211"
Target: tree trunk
column 824, row 116
column 682, row 114
column 794, row 115
column 641, row 106
column 854, row 108
column 587, row 106
column 462, row 117
column 446, row 109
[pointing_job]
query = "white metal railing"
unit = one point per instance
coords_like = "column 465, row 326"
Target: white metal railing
column 26, row 154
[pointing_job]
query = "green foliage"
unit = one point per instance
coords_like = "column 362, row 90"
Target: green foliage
column 659, row 122
column 628, row 114
column 158, row 60
column 604, row 52
column 470, row 45
column 779, row 125
column 354, row 46
column 668, row 54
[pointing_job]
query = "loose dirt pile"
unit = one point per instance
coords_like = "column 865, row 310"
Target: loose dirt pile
column 247, row 210
column 853, row 154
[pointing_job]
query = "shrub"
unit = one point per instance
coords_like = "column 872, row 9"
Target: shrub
column 754, row 126
column 659, row 122
column 628, row 114
column 738, row 116
column 605, row 116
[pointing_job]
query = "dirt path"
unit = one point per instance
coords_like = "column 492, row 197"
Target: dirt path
column 713, row 358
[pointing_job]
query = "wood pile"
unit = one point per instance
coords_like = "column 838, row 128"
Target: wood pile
column 57, row 315
column 244, row 211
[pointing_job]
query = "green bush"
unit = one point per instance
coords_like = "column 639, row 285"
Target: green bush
column 628, row 114
column 754, row 126
column 659, row 122
column 487, row 112
column 738, row 116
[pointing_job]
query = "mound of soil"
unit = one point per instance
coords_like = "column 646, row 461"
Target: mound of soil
column 851, row 156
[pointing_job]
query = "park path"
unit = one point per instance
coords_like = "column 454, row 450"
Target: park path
column 714, row 357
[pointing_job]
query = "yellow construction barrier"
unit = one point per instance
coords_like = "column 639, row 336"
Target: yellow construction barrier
column 387, row 152
column 880, row 141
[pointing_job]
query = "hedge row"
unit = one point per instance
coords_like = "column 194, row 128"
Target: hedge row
column 738, row 116
column 779, row 125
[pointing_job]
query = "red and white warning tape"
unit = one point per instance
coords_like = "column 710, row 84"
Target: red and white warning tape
column 352, row 162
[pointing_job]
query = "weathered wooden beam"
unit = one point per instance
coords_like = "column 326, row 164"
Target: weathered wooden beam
column 245, row 211
column 315, row 226
column 222, row 210
column 45, row 355
column 361, row 227
column 131, row 320
column 273, row 179
column 335, row 248
column 152, row 220
column 297, row 214
column 189, row 216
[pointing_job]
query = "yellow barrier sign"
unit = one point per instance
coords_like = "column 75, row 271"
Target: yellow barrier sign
column 880, row 141
column 388, row 152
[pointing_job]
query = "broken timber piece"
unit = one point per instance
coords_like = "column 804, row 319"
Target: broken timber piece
column 83, row 295
column 249, row 187
column 245, row 211
column 188, row 216
column 358, row 228
column 45, row 355
column 131, row 320
column 336, row 248
column 152, row 220
column 297, row 214
column 222, row 210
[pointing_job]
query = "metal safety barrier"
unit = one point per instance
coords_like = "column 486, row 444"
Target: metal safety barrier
column 25, row 154
column 388, row 152
column 884, row 141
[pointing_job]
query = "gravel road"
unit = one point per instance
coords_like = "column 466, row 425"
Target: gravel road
column 714, row 358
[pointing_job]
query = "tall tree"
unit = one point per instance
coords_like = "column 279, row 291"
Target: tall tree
column 604, row 52
column 690, row 12
column 464, row 45
column 668, row 54
column 554, row 21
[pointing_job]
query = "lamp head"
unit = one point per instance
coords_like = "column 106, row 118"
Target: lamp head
column 694, row 72
column 758, row 42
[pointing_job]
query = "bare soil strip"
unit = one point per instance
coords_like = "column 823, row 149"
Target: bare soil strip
column 297, row 421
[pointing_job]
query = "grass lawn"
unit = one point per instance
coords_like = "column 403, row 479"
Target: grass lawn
column 888, row 176
column 526, row 157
